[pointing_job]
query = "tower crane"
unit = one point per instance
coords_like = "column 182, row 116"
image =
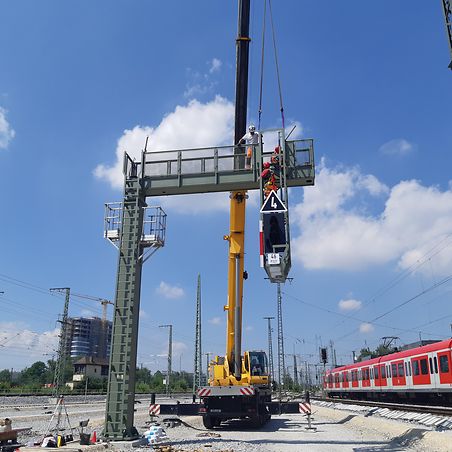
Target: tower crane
column 102, row 301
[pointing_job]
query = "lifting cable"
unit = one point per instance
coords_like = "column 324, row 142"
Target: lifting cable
column 262, row 66
column 276, row 64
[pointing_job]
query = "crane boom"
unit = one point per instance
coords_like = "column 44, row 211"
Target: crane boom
column 447, row 9
column 236, row 236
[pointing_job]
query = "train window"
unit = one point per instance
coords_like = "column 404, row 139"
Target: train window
column 409, row 368
column 394, row 370
column 415, row 364
column 376, row 373
column 406, row 368
column 389, row 371
column 435, row 362
column 424, row 366
column 383, row 371
column 431, row 365
column 400, row 369
column 371, row 373
column 443, row 364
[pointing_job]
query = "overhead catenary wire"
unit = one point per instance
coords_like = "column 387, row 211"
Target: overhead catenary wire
column 404, row 303
column 44, row 291
column 374, row 321
column 394, row 282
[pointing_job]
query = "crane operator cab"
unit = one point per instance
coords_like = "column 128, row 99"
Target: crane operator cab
column 255, row 368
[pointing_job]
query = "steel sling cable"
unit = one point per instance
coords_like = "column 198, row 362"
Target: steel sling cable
column 277, row 65
column 262, row 66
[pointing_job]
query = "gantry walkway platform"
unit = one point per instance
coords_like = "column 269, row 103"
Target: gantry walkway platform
column 219, row 169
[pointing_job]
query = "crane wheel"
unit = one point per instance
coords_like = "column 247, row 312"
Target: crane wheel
column 209, row 421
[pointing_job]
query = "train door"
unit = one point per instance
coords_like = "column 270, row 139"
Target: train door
column 389, row 375
column 398, row 373
column 355, row 383
column 408, row 374
column 377, row 382
column 336, row 380
column 433, row 365
column 366, row 377
column 421, row 373
column 383, row 381
column 445, row 368
column 345, row 379
column 330, row 381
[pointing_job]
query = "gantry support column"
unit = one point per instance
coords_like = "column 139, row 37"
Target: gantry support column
column 119, row 415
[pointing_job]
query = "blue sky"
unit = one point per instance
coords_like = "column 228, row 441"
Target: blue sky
column 80, row 82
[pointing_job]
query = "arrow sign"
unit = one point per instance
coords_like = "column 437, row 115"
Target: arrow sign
column 273, row 204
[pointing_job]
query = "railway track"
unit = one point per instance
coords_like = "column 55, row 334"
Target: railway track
column 430, row 409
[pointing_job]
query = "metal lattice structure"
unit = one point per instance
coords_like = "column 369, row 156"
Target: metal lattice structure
column 447, row 9
column 128, row 229
column 61, row 358
column 170, row 358
column 270, row 350
column 281, row 362
column 197, row 367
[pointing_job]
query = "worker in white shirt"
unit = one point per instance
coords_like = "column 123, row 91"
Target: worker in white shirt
column 249, row 138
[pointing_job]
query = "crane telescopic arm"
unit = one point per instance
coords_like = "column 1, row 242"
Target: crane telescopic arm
column 236, row 236
column 447, row 9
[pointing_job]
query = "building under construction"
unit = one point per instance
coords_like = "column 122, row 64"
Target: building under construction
column 88, row 337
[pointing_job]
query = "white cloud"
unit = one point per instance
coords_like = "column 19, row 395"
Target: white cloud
column 143, row 314
column 88, row 313
column 6, row 132
column 201, row 84
column 197, row 204
column 179, row 347
column 366, row 328
column 349, row 305
column 338, row 232
column 215, row 321
column 16, row 335
column 170, row 292
column 215, row 65
column 194, row 125
column 399, row 146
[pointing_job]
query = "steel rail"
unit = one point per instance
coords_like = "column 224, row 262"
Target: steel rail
column 431, row 409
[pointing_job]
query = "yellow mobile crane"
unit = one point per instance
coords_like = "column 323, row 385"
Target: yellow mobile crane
column 239, row 384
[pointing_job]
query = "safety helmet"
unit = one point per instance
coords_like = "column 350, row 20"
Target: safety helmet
column 252, row 128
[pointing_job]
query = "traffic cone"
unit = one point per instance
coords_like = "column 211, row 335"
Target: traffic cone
column 94, row 437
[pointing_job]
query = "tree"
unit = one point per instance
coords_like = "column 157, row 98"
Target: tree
column 34, row 375
column 5, row 376
column 143, row 375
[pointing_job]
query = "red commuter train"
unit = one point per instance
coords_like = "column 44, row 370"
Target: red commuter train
column 418, row 374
